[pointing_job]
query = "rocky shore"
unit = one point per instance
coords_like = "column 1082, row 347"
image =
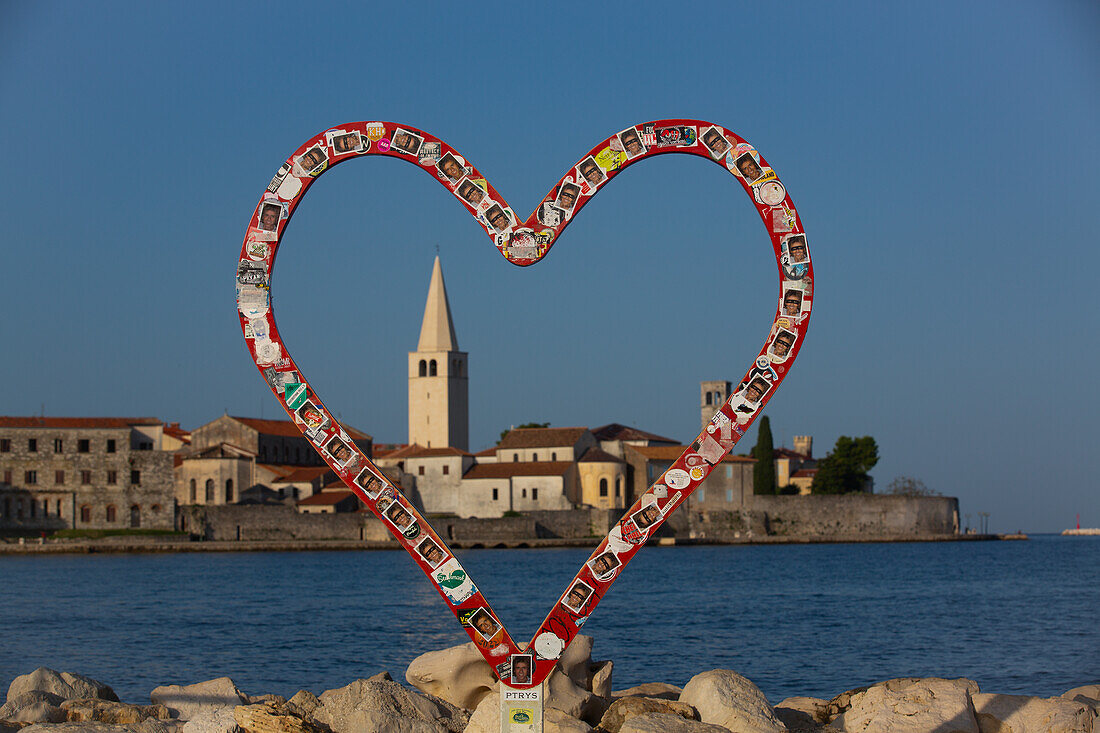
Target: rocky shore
column 452, row 690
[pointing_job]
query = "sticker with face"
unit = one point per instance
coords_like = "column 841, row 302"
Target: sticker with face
column 748, row 168
column 484, row 624
column 313, row 161
column 269, row 216
column 715, row 141
column 451, row 168
column 404, row 141
column 567, row 197
column 590, row 172
column 521, row 666
column 577, row 597
column 631, row 142
column 498, row 218
column 780, row 349
column 470, row 192
column 343, row 142
column 755, row 390
column 795, row 248
column 398, row 516
column 340, row 451
column 646, row 516
column 604, row 566
column 369, row 483
column 431, row 552
column 792, row 302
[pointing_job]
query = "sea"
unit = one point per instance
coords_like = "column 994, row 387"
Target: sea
column 1015, row 616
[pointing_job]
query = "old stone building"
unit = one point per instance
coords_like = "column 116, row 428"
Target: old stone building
column 235, row 460
column 85, row 473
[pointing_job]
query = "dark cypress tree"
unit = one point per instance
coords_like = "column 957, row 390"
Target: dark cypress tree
column 763, row 473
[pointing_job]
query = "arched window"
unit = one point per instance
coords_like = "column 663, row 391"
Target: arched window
column 423, row 368
column 135, row 516
column 194, row 492
column 710, row 398
column 618, row 487
column 432, row 368
column 717, row 397
column 553, row 456
column 603, row 487
column 156, row 509
column 112, row 515
column 229, row 491
column 515, row 458
column 535, row 457
column 458, row 367
column 34, row 508
column 210, row 489
column 86, row 514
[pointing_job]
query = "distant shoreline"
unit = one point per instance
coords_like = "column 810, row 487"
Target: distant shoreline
column 128, row 545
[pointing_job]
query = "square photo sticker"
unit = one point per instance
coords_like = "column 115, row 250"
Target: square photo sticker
column 715, row 142
column 577, row 596
column 406, row 142
column 632, row 143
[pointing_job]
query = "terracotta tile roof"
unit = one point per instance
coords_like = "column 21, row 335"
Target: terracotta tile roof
column 672, row 452
column 788, row 453
column 302, row 475
column 335, row 485
column 277, row 469
column 384, row 449
column 221, row 450
column 598, row 455
column 76, row 422
column 615, row 431
column 174, row 430
column 287, row 428
column 326, row 498
column 403, row 451
column 541, row 437
column 490, row 451
column 510, row 470
column 435, row 452
column 804, row 473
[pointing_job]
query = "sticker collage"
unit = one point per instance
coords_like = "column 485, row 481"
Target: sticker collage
column 524, row 242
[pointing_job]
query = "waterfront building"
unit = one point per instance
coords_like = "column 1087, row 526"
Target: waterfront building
column 86, row 473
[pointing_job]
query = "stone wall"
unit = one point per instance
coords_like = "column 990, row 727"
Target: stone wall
column 857, row 514
column 278, row 523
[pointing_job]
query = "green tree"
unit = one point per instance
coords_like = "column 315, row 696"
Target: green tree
column 763, row 473
column 520, row 427
column 908, row 486
column 844, row 471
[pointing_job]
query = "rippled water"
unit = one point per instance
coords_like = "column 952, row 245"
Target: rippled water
column 1018, row 617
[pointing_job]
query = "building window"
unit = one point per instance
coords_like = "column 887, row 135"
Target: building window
column 58, row 445
column 420, row 470
column 112, row 515
column 194, row 492
column 496, row 494
column 535, row 457
column 710, row 397
column 34, row 508
column 85, row 477
column 210, row 489
column 59, row 477
column 729, row 496
column 112, row 477
column 32, row 445
column 135, row 516
column 31, row 477
column 85, row 514
column 7, row 477
column 156, row 507
column 603, row 487
column 111, row 445
column 524, row 493
column 446, row 470
column 515, row 458
column 45, row 507
column 534, row 494
column 59, row 507
column 83, row 445
column 432, row 368
column 702, row 495
column 135, row 477
column 729, row 471
column 5, row 445
column 618, row 487
column 553, row 456
column 423, row 368
column 229, row 491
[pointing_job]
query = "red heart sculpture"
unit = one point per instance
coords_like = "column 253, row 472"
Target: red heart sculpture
column 524, row 243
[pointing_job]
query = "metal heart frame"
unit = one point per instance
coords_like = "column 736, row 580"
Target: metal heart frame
column 524, row 243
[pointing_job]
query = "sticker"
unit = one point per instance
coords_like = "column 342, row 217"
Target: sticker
column 404, row 141
column 591, row 173
column 631, row 143
column 550, row 215
column 398, row 516
column 268, row 219
column 716, row 143
column 679, row 136
column 384, row 145
column 794, row 246
column 343, row 142
column 677, row 479
column 312, row 162
column 770, row 193
column 484, row 624
column 412, row 531
column 631, row 533
column 610, row 159
column 290, row 188
column 709, row 449
column 431, row 552
column 576, row 598
column 295, row 395
column 659, row 490
column 470, row 192
column 429, row 153
column 277, row 179
column 267, row 351
column 792, row 301
column 451, row 167
column 251, row 273
column 315, row 419
column 549, row 645
column 452, row 579
column 780, row 347
column 567, row 197
column 522, row 244
column 646, row 516
column 748, row 168
column 498, row 218
column 604, row 566
column 375, row 131
column 521, row 665
column 258, row 327
column 257, row 250
column 339, row 451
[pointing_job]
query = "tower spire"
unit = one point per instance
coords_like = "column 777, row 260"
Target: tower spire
column 437, row 331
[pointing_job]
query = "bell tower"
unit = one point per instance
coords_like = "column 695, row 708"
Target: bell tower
column 439, row 406
column 712, row 395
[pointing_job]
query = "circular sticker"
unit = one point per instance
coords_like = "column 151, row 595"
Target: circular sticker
column 697, row 473
column 772, row 193
column 677, row 478
column 267, row 352
column 384, row 145
column 548, row 645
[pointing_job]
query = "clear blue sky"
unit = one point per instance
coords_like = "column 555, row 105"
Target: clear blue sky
column 943, row 162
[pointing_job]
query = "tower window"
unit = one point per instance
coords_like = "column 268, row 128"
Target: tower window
column 535, row 457
column 710, row 398
column 495, row 494
column 603, row 487
column 423, row 368
column 432, row 369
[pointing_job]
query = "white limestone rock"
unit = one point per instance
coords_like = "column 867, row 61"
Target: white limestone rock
column 1024, row 714
column 626, row 708
column 802, row 713
column 459, row 675
column 106, row 711
column 304, row 703
column 1088, row 694
column 601, row 678
column 146, row 726
column 212, row 720
column 64, row 685
column 911, row 705
column 725, row 698
column 486, row 719
column 661, row 690
column 383, row 706
column 34, row 706
column 667, row 723
column 191, row 701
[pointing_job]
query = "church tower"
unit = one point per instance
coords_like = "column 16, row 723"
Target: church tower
column 439, row 405
column 712, row 395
